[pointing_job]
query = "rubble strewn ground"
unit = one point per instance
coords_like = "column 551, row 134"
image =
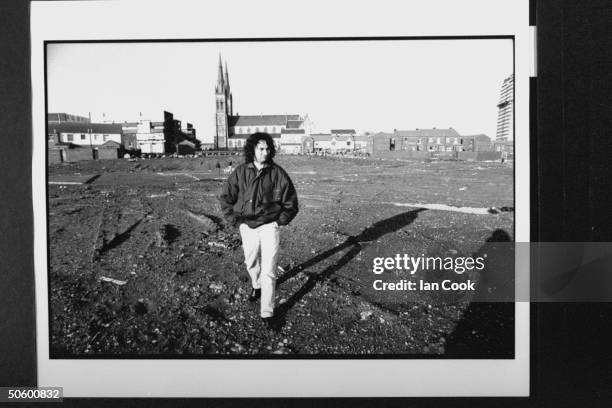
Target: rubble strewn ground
column 142, row 263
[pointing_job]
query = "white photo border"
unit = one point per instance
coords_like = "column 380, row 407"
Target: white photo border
column 140, row 20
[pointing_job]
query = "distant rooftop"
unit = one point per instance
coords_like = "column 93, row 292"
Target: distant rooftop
column 61, row 117
column 294, row 124
column 450, row 132
column 479, row 137
column 75, row 127
column 343, row 131
column 262, row 120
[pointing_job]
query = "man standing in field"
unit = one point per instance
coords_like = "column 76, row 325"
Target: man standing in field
column 258, row 197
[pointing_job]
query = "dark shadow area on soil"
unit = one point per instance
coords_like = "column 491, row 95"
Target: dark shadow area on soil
column 487, row 327
column 92, row 179
column 116, row 241
column 215, row 219
column 371, row 233
column 170, row 233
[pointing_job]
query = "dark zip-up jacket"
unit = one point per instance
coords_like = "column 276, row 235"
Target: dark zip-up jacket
column 257, row 197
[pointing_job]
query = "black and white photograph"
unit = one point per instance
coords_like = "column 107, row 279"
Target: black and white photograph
column 171, row 234
column 221, row 202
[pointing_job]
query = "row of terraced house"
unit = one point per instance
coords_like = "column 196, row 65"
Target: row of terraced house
column 411, row 143
column 291, row 135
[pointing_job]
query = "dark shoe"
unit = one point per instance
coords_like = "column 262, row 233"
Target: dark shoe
column 271, row 323
column 254, row 295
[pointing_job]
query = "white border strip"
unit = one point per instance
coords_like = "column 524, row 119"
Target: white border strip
column 75, row 20
column 533, row 35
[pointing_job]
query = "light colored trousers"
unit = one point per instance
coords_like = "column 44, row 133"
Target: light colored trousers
column 260, row 247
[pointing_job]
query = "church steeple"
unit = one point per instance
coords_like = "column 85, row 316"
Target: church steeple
column 227, row 78
column 223, row 107
column 220, row 87
column 228, row 92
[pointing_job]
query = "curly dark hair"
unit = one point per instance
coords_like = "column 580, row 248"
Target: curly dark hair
column 252, row 141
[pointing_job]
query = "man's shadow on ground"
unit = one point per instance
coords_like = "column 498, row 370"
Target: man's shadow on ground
column 355, row 243
column 486, row 329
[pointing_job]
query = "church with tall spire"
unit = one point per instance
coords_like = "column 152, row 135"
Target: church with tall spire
column 232, row 130
column 223, row 97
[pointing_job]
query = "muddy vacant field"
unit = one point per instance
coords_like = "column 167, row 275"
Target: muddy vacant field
column 142, row 264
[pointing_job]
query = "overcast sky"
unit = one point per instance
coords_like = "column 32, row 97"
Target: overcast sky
column 365, row 85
